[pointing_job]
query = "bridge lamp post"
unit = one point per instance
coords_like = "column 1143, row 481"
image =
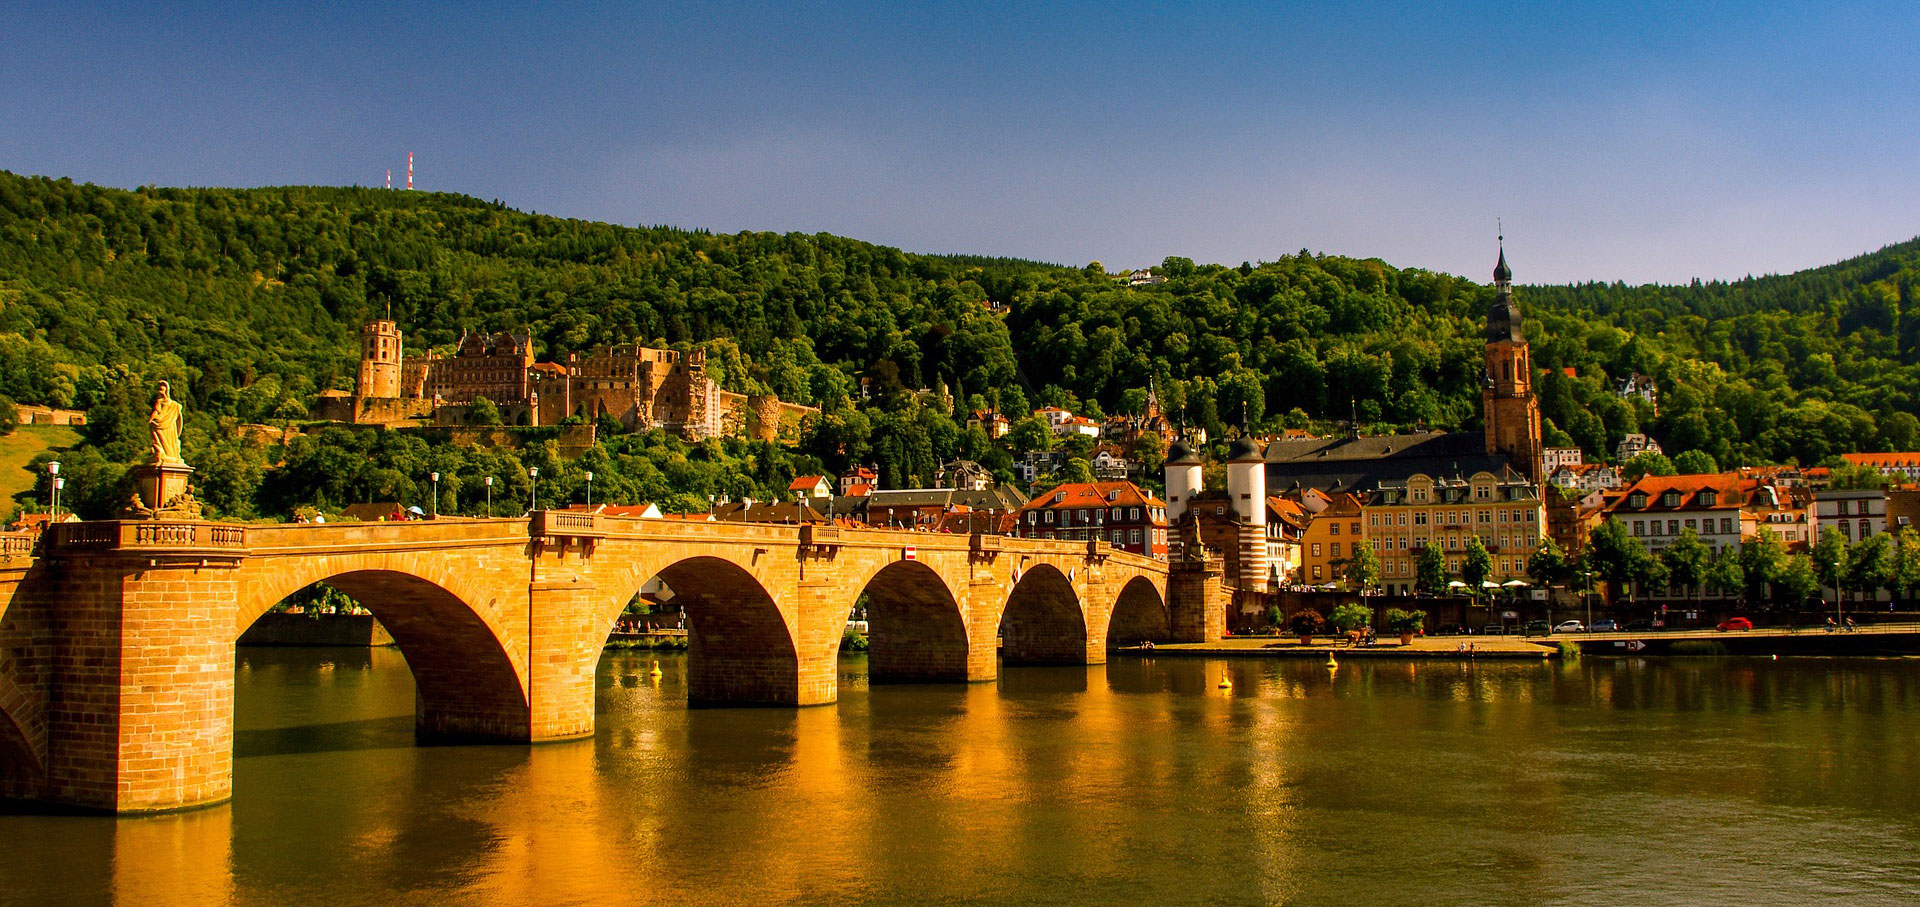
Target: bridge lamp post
column 489, row 495
column 436, row 495
column 533, row 473
column 589, row 489
column 54, row 482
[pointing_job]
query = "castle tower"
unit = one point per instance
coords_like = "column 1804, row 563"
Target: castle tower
column 1247, row 490
column 380, row 360
column 1512, row 412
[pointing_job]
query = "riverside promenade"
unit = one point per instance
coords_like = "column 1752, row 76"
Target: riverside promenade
column 1446, row 648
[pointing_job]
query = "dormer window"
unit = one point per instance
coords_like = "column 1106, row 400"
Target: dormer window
column 1637, row 500
column 1708, row 497
column 1670, row 499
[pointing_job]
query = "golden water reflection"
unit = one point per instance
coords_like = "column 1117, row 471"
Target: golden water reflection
column 1137, row 781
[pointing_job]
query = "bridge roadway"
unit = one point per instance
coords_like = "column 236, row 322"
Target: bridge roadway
column 117, row 638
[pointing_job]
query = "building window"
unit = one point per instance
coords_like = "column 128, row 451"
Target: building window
column 1356, row 528
column 1673, row 527
column 1333, row 528
column 1373, row 519
column 1316, row 553
column 1866, row 529
column 1486, row 516
column 1726, row 525
column 1133, row 513
column 1690, row 524
column 1133, row 536
column 1403, row 519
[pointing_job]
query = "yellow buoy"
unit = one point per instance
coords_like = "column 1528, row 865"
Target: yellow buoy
column 1226, row 683
column 656, row 668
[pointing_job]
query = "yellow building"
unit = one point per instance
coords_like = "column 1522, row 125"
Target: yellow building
column 1329, row 540
column 1504, row 510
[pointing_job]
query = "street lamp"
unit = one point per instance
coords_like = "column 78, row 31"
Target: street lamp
column 436, row 495
column 489, row 495
column 533, row 473
column 54, row 482
column 589, row 489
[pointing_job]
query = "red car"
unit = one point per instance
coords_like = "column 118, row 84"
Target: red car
column 1734, row 623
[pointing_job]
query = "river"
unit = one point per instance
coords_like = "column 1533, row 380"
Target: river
column 1587, row 782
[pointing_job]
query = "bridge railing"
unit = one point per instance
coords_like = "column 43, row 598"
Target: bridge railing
column 146, row 535
column 17, row 544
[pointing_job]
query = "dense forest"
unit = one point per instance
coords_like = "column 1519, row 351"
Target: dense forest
column 249, row 301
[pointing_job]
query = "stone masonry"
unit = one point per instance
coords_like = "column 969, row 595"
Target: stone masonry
column 117, row 638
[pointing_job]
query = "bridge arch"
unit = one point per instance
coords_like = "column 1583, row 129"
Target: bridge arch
column 916, row 632
column 1044, row 621
column 18, row 761
column 467, row 682
column 1139, row 614
column 740, row 647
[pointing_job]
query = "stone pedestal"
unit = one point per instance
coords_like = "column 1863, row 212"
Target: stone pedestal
column 160, row 492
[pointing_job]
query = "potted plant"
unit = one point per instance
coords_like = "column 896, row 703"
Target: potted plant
column 1351, row 617
column 1406, row 623
column 1305, row 623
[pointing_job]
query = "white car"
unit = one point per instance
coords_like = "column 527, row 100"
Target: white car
column 1570, row 626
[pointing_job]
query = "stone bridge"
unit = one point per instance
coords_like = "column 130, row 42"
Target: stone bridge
column 117, row 638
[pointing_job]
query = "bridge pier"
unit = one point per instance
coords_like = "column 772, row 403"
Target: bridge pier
column 1196, row 599
column 141, row 715
column 564, row 639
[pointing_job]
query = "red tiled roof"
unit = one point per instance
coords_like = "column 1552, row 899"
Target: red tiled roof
column 1883, row 460
column 1092, row 494
column 1725, row 485
column 806, row 483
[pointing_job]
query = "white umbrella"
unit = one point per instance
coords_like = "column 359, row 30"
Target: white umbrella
column 1489, row 584
column 1456, row 584
column 1516, row 584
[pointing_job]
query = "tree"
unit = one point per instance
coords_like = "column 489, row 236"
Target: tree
column 1647, row 464
column 1830, row 558
column 1694, row 463
column 1872, row 565
column 483, row 412
column 1077, row 470
column 1614, row 554
column 1549, row 565
column 1907, row 563
column 1797, row 584
column 1686, row 559
column 1476, row 565
column 1030, row 433
column 1363, row 568
column 9, row 415
column 1855, row 477
column 1762, row 557
column 1724, row 574
column 1430, row 570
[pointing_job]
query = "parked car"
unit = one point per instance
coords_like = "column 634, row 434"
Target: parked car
column 1538, row 626
column 1605, row 626
column 1640, row 624
column 1492, row 630
column 1569, row 626
column 1734, row 623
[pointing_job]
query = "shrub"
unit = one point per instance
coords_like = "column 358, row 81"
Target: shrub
column 1351, row 616
column 1306, row 622
column 852, row 641
column 1399, row 621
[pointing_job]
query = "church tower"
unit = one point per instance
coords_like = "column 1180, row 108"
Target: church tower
column 1512, row 412
column 380, row 360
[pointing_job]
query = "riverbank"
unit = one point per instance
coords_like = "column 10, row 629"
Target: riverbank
column 1449, row 648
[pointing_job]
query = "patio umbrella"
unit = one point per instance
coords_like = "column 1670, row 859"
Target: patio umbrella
column 1489, row 584
column 1516, row 584
column 1456, row 584
column 416, row 509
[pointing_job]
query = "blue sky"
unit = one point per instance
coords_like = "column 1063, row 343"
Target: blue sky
column 1655, row 143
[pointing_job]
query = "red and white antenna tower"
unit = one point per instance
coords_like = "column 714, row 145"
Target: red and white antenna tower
column 409, row 171
column 389, row 177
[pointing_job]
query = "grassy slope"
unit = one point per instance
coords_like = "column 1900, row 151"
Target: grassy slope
column 21, row 446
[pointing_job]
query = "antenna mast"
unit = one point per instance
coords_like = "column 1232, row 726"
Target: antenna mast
column 409, row 171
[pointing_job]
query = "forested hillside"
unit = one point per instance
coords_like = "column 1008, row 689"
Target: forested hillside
column 249, row 300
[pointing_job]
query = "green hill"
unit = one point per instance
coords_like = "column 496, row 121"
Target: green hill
column 249, row 301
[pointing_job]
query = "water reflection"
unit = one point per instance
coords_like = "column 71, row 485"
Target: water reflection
column 1137, row 781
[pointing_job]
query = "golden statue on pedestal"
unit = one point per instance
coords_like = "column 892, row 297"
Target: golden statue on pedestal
column 166, row 424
